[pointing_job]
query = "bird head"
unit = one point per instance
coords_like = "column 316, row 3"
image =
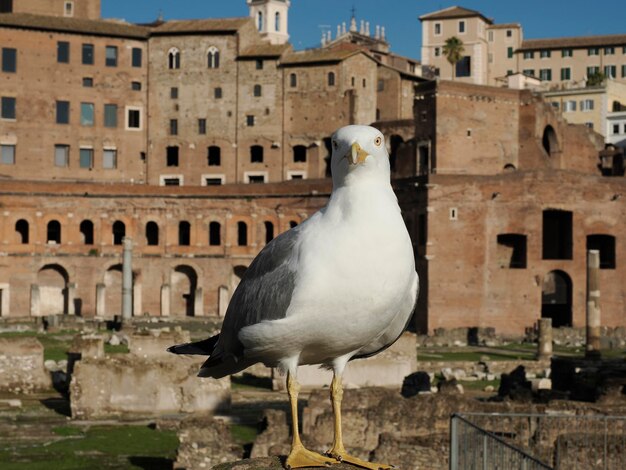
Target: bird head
column 359, row 152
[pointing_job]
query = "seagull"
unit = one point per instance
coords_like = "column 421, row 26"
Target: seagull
column 340, row 286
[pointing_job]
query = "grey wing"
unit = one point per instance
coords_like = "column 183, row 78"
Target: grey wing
column 264, row 292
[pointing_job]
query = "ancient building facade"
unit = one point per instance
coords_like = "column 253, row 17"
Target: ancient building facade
column 510, row 200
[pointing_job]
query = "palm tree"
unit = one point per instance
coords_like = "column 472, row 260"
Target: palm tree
column 453, row 50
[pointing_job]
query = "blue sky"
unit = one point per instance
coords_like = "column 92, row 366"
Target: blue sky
column 539, row 18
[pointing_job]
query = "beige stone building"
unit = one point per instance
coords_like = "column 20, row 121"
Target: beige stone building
column 493, row 51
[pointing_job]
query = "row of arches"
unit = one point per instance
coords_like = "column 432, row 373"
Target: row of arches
column 212, row 58
column 152, row 232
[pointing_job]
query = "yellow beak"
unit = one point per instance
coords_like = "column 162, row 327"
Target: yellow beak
column 356, row 154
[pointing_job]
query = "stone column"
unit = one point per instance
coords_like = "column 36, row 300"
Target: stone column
column 198, row 304
column 544, row 347
column 101, row 300
column 165, row 300
column 35, row 300
column 127, row 279
column 593, row 304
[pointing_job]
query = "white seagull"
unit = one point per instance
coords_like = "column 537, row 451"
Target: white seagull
column 340, row 286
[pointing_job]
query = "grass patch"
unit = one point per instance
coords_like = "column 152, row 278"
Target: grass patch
column 250, row 382
column 475, row 356
column 120, row 447
column 243, row 434
column 115, row 349
column 480, row 384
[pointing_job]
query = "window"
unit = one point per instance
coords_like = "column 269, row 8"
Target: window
column 173, row 59
column 529, row 72
column 213, row 58
column 566, row 73
column 86, row 114
column 184, row 233
column 464, row 67
column 86, row 158
column 8, row 107
column 86, row 230
column 353, row 81
column 214, row 156
column 605, row 244
column 437, row 51
column 87, row 54
column 259, row 64
column 529, row 55
column 87, row 82
column 119, row 232
column 171, row 181
column 610, row 71
column 615, row 129
column 174, row 93
column 53, row 232
column 259, row 21
column 331, row 78
column 490, row 36
column 511, row 252
column 201, row 126
column 277, row 21
column 136, row 57
column 509, row 52
column 593, row 51
column 22, row 230
column 134, row 119
column 110, row 56
column 7, row 154
column 171, row 155
column 293, row 80
column 256, row 154
column 589, row 125
column 242, row 234
column 68, row 9
column 380, row 85
column 609, row 50
column 215, row 234
column 257, row 90
column 545, row 54
column 586, row 105
column 623, row 71
column 545, row 74
column 269, row 232
column 557, row 234
column 555, row 104
column 63, row 112
column 255, row 179
column 591, row 71
column 61, row 155
column 152, row 234
column 437, row 29
column 299, row 154
column 461, row 27
column 9, row 60
column 509, row 33
column 135, row 86
column 567, row 52
column 6, row 6
column 250, row 120
column 63, row 52
column 364, row 82
column 217, row 93
column 110, row 115
column 210, row 181
column 109, row 159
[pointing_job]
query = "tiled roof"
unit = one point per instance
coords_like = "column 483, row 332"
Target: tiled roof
column 320, row 55
column 264, row 50
column 505, row 26
column 73, row 25
column 218, row 25
column 574, row 42
column 453, row 12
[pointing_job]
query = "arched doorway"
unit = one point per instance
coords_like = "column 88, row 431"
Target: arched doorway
column 549, row 141
column 556, row 298
column 113, row 285
column 184, row 285
column 53, row 280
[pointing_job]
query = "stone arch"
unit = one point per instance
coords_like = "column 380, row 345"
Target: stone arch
column 118, row 232
column 87, row 230
column 152, row 233
column 53, row 283
column 556, row 298
column 395, row 141
column 173, row 58
column 549, row 141
column 215, row 233
column 213, row 57
column 22, row 230
column 269, row 231
column 184, row 283
column 53, row 232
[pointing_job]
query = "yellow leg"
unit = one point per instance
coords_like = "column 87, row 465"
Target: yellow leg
column 299, row 456
column 338, row 451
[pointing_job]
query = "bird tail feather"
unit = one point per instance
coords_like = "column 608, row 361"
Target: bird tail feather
column 200, row 348
column 222, row 365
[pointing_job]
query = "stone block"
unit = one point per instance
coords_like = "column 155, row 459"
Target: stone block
column 125, row 384
column 154, row 343
column 22, row 367
column 540, row 384
column 88, row 346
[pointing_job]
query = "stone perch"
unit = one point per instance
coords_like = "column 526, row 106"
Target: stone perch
column 268, row 463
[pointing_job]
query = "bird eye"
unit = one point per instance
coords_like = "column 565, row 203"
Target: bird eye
column 378, row 141
column 335, row 145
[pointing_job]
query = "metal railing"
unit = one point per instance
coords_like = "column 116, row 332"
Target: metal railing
column 546, row 441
